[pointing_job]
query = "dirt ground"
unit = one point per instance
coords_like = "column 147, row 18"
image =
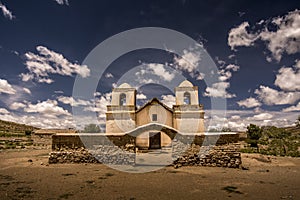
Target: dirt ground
column 25, row 174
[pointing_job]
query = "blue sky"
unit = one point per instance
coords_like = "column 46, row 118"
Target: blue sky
column 254, row 44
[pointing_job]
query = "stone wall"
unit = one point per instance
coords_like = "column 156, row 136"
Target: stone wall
column 105, row 154
column 212, row 156
column 120, row 150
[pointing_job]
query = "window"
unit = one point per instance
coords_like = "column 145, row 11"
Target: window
column 122, row 99
column 187, row 98
column 154, row 117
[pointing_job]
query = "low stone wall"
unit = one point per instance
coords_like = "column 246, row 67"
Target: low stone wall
column 201, row 150
column 211, row 156
column 104, row 154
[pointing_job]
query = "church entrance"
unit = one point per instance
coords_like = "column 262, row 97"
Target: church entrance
column 154, row 140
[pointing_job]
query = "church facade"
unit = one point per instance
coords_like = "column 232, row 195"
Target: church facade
column 155, row 124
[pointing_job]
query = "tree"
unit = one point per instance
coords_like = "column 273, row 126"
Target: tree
column 91, row 128
column 254, row 132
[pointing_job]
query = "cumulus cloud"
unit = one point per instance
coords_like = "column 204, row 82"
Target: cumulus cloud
column 189, row 60
column 169, row 100
column 62, row 2
column 47, row 62
column 3, row 111
column 159, row 70
column 150, row 71
column 100, row 106
column 239, row 36
column 73, row 102
column 261, row 116
column 273, row 97
column 288, row 78
column 26, row 77
column 48, row 108
column 17, row 105
column 284, row 39
column 292, row 108
column 219, row 90
column 6, row 88
column 249, row 103
column 7, row 13
column 226, row 72
column 26, row 90
column 238, row 120
column 141, row 96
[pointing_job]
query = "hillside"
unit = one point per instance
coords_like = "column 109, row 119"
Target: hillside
column 12, row 127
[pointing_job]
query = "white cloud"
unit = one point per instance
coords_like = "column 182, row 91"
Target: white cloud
column 292, row 108
column 288, row 78
column 73, row 102
column 226, row 71
column 62, row 2
column 284, row 39
column 273, row 97
column 159, row 70
column 47, row 108
column 261, row 117
column 3, row 111
column 49, row 62
column 45, row 80
column 26, row 77
column 189, row 60
column 219, row 90
column 40, row 121
column 100, row 106
column 249, row 103
column 232, row 67
column 109, row 75
column 239, row 36
column 6, row 88
column 26, row 90
column 238, row 120
column 235, row 117
column 7, row 13
column 17, row 105
column 169, row 100
column 141, row 96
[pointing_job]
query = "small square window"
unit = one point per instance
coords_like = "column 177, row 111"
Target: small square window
column 154, row 117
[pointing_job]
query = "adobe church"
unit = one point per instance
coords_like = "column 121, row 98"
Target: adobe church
column 155, row 124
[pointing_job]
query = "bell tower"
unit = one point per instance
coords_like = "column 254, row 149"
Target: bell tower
column 188, row 116
column 120, row 115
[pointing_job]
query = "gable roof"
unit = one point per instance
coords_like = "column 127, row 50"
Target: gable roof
column 155, row 100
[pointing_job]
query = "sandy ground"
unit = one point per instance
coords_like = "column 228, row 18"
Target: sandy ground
column 25, row 174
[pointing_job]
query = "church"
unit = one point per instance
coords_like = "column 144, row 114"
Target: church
column 154, row 125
